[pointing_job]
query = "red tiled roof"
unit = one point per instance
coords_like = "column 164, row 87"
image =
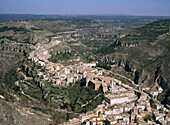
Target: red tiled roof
column 86, row 120
column 106, row 79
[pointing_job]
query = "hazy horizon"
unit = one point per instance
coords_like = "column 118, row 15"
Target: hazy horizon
column 86, row 7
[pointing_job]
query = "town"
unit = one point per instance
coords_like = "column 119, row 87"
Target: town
column 84, row 62
column 122, row 104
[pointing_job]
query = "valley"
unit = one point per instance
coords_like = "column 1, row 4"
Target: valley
column 105, row 70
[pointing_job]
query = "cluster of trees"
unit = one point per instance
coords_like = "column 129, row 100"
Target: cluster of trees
column 106, row 49
column 104, row 66
column 62, row 57
column 9, row 37
column 150, row 32
column 80, row 95
column 15, row 29
column 10, row 78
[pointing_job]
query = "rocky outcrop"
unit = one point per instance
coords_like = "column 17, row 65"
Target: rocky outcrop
column 164, row 83
column 126, row 44
column 14, row 48
column 120, row 60
column 10, row 114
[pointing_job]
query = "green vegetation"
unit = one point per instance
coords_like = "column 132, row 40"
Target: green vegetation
column 106, row 49
column 149, row 32
column 10, row 78
column 61, row 25
column 36, row 29
column 104, row 65
column 79, row 95
column 151, row 101
column 33, row 90
column 77, row 98
column 9, row 38
column 144, row 34
column 62, row 57
column 15, row 29
column 16, row 40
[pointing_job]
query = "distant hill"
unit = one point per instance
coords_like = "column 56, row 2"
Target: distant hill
column 15, row 17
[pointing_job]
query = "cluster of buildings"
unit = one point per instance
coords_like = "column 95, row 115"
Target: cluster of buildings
column 120, row 106
column 135, row 112
column 154, row 90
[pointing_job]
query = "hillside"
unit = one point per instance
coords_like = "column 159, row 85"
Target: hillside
column 134, row 48
column 144, row 54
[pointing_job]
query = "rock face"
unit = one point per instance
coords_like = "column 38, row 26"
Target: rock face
column 126, row 44
column 10, row 115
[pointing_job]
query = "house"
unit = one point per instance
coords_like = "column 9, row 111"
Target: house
column 102, row 116
column 118, row 110
column 127, row 108
column 111, row 121
column 116, row 89
column 143, row 97
column 99, row 73
column 41, row 63
column 149, row 109
column 57, row 67
column 141, row 121
column 118, row 116
column 126, row 118
column 74, row 121
column 143, row 113
column 49, row 66
column 57, row 82
column 65, row 71
column 155, row 90
column 107, row 80
column 118, row 98
column 109, row 112
column 70, row 79
column 134, row 111
column 94, row 120
column 35, row 59
column 87, row 116
column 163, row 122
column 167, row 117
column 98, row 109
column 96, row 85
column 138, row 116
column 155, row 111
column 140, row 106
column 90, row 76
column 159, row 116
column 132, row 118
column 90, row 64
column 157, row 106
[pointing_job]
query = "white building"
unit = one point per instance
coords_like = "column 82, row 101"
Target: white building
column 112, row 99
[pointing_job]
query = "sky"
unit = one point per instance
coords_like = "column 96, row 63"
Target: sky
column 106, row 7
